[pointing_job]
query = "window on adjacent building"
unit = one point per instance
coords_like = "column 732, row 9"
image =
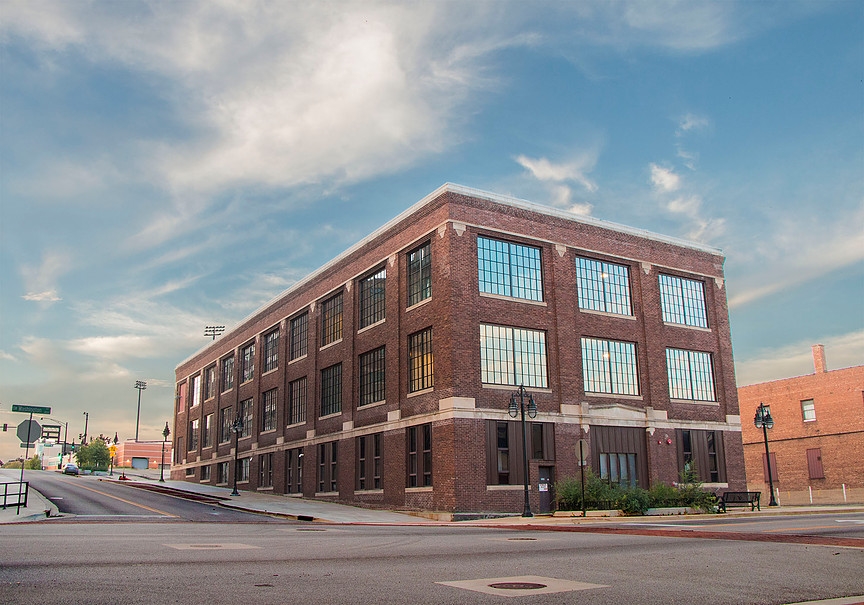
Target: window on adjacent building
column 222, row 472
column 512, row 356
column 372, row 376
column 691, row 375
column 227, row 374
column 603, row 286
column 504, row 449
column 372, row 295
column 419, row 274
column 207, row 431
column 814, row 463
column 683, row 301
column 190, row 472
column 246, row 416
column 265, row 470
column 331, row 390
column 328, row 466
column 225, row 420
column 179, row 452
column 242, row 470
column 294, row 471
column 247, row 363
column 210, row 382
column 181, row 397
column 271, row 350
column 196, row 390
column 369, row 462
column 508, row 269
column 299, row 336
column 297, row 401
column 420, row 455
column 193, row 434
column 700, row 455
column 268, row 410
column 420, row 361
column 331, row 320
column 808, row 410
column 205, row 473
column 609, row 366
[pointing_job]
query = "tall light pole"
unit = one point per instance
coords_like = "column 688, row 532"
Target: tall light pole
column 236, row 428
column 65, row 436
column 764, row 421
column 165, row 432
column 514, row 410
column 213, row 331
column 140, row 385
column 86, row 423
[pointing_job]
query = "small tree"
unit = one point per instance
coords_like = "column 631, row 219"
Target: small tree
column 93, row 456
column 34, row 464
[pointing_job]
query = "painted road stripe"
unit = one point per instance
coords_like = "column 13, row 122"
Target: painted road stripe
column 152, row 510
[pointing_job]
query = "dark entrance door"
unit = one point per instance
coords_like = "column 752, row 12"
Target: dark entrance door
column 545, row 489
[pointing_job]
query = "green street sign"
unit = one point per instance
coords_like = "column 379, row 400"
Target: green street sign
column 32, row 409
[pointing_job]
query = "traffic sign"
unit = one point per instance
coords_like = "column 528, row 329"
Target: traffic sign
column 51, row 431
column 32, row 409
column 26, row 445
column 29, row 431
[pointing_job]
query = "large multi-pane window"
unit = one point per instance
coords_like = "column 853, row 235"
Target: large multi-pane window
column 297, row 401
column 207, row 431
column 193, row 434
column 331, row 320
column 268, row 410
column 246, row 417
column 331, row 390
column 328, row 467
column 683, row 301
column 419, row 274
column 513, row 356
column 181, row 396
column 247, row 363
column 691, row 375
column 509, row 269
column 700, row 455
column 372, row 376
column 504, row 449
column 242, row 469
column 210, row 382
column 420, row 455
column 225, row 421
column 369, row 461
column 265, row 470
column 609, row 366
column 372, row 290
column 603, row 286
column 294, row 471
column 196, row 390
column 205, row 472
column 222, row 472
column 271, row 351
column 299, row 336
column 619, row 468
column 227, row 374
column 420, row 361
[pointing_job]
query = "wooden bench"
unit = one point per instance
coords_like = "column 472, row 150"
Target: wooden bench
column 750, row 499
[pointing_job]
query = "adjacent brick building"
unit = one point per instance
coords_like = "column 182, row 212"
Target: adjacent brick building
column 817, row 442
column 384, row 377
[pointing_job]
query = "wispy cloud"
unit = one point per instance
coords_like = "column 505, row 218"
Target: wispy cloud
column 40, row 280
column 667, row 186
column 796, row 359
column 664, row 179
column 558, row 177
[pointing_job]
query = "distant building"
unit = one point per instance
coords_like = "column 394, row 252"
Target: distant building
column 817, row 443
column 142, row 454
column 384, row 377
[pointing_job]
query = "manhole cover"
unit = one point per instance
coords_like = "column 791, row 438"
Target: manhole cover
column 526, row 539
column 517, row 585
column 309, row 529
column 205, row 546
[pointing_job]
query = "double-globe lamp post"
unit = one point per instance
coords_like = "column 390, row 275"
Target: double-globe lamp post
column 165, row 432
column 764, row 421
column 236, row 428
column 517, row 406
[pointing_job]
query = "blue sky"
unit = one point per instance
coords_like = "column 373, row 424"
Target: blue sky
column 168, row 165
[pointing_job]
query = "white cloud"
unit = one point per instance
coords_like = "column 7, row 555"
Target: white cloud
column 691, row 122
column 40, row 280
column 841, row 351
column 47, row 296
column 664, row 179
column 7, row 356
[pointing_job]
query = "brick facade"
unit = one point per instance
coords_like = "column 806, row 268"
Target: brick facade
column 459, row 406
column 835, row 434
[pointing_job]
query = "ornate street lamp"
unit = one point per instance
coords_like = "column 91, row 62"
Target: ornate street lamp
column 764, row 421
column 165, row 432
column 236, row 428
column 140, row 385
column 514, row 410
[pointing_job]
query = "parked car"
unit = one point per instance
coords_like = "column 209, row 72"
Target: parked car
column 70, row 469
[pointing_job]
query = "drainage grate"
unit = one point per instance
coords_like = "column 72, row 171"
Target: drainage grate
column 517, row 585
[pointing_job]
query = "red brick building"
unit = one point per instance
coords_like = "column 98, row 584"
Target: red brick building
column 384, row 377
column 817, row 442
